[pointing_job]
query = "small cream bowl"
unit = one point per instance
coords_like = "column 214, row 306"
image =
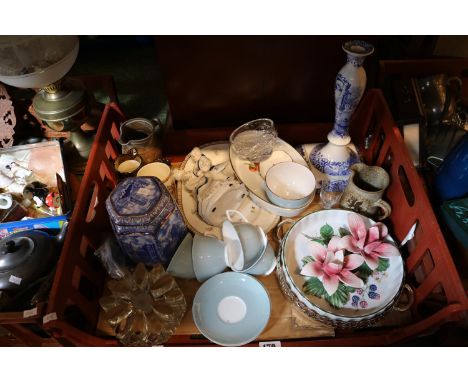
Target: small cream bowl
column 289, row 184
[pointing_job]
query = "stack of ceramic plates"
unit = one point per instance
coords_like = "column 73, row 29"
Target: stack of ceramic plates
column 362, row 306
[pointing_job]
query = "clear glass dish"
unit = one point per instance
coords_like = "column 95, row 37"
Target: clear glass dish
column 254, row 141
column 145, row 307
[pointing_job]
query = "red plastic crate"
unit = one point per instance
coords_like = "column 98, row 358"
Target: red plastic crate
column 439, row 294
column 24, row 330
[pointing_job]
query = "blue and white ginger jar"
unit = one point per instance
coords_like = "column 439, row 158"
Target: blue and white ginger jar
column 146, row 220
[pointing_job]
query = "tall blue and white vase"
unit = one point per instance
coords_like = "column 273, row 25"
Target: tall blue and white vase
column 335, row 157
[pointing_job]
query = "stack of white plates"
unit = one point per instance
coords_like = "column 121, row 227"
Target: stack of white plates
column 364, row 305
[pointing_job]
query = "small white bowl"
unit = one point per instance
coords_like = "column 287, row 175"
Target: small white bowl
column 289, row 184
column 159, row 170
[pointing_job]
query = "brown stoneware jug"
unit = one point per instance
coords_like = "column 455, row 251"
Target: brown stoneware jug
column 364, row 191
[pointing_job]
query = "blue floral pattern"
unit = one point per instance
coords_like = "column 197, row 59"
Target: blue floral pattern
column 132, row 197
column 349, row 87
column 146, row 220
column 330, row 167
column 355, row 61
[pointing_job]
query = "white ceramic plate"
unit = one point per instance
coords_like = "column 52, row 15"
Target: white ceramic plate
column 218, row 152
column 255, row 182
column 231, row 309
column 294, row 248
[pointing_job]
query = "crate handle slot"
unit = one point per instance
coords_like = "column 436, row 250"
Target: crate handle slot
column 405, row 185
column 93, row 202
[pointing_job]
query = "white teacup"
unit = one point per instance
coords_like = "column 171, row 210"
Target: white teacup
column 252, row 238
column 234, row 252
column 265, row 265
column 159, row 170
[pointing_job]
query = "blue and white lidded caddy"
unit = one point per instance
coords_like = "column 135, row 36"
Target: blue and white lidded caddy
column 146, row 220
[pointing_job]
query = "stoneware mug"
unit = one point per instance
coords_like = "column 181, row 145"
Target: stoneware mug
column 364, row 191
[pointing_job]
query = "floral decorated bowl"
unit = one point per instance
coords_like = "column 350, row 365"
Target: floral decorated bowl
column 340, row 267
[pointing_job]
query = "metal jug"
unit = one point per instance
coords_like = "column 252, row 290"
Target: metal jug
column 142, row 135
column 439, row 94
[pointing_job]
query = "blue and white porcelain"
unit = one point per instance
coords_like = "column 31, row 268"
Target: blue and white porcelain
column 146, row 220
column 335, row 157
column 231, row 309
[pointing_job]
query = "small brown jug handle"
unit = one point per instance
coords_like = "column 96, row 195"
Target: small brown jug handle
column 385, row 207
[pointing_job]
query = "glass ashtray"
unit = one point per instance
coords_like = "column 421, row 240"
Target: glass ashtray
column 145, row 307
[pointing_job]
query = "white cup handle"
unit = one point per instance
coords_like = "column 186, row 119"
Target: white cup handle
column 6, row 201
column 235, row 212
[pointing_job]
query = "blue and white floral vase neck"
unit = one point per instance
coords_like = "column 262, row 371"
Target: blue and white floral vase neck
column 336, row 157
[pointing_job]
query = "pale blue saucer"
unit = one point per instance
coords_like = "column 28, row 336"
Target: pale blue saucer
column 231, row 309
